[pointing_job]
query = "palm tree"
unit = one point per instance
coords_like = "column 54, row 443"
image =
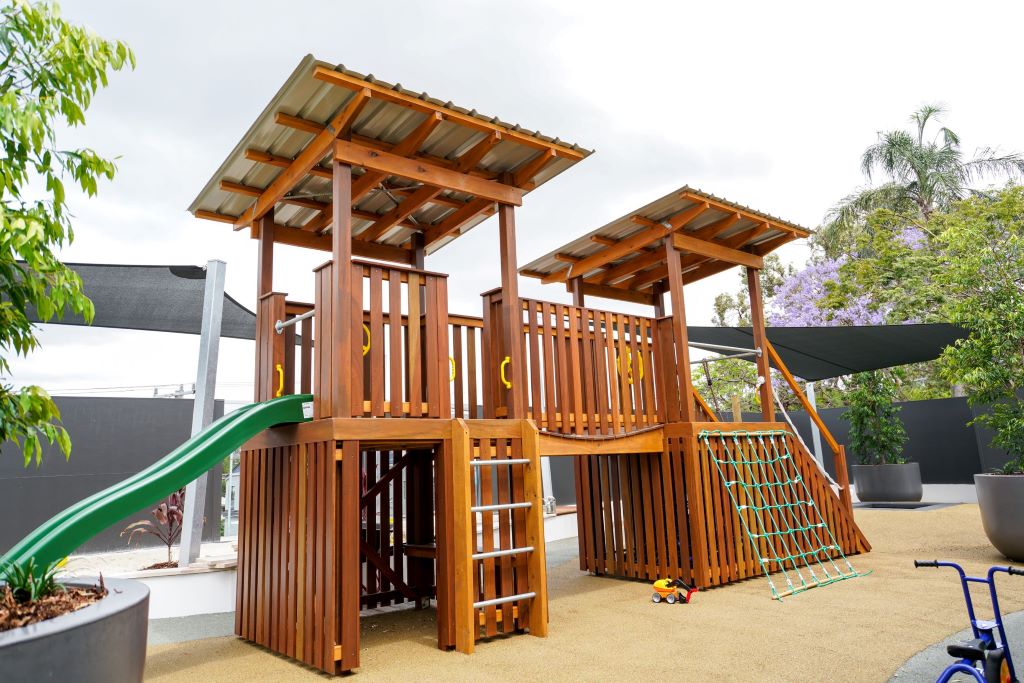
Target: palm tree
column 924, row 174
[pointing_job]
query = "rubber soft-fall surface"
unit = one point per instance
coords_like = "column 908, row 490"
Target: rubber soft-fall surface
column 63, row 533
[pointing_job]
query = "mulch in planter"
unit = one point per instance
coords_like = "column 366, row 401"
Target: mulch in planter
column 161, row 565
column 14, row 614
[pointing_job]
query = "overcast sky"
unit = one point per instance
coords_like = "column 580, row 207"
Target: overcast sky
column 761, row 103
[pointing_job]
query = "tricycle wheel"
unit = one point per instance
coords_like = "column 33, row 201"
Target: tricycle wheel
column 656, row 598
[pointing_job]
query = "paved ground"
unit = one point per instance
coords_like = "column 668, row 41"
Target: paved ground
column 927, row 664
column 604, row 629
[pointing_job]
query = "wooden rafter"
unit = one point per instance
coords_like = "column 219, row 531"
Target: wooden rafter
column 756, row 218
column 283, row 162
column 525, row 173
column 626, row 268
column 455, row 220
column 379, row 92
column 623, row 247
column 405, row 208
column 311, row 156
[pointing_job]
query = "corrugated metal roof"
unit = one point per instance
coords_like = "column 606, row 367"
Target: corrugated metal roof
column 660, row 210
column 383, row 123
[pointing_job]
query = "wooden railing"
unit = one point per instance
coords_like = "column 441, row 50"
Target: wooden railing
column 587, row 371
column 399, row 367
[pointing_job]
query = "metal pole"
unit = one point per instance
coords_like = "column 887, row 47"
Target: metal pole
column 815, row 434
column 202, row 408
column 547, row 492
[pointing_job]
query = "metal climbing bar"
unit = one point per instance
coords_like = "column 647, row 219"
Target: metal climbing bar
column 500, row 506
column 485, row 555
column 506, row 599
column 508, row 461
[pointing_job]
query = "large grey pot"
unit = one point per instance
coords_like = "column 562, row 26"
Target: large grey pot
column 103, row 642
column 888, row 483
column 1001, row 499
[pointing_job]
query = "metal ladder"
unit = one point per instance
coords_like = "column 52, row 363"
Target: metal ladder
column 481, row 554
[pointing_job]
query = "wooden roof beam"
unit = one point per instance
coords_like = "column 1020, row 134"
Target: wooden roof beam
column 379, row 92
column 601, row 239
column 316, row 150
column 407, row 147
column 694, row 245
column 427, row 173
column 772, row 244
column 567, row 258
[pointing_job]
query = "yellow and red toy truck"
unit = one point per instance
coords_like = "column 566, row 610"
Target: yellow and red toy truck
column 665, row 589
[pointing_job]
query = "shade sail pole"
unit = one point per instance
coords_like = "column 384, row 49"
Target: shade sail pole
column 202, row 407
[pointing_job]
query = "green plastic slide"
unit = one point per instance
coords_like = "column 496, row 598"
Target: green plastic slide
column 63, row 533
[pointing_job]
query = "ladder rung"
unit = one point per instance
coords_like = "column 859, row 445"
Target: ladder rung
column 483, row 555
column 500, row 506
column 502, row 601
column 513, row 461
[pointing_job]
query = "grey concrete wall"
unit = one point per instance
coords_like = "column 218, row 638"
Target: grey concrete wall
column 112, row 438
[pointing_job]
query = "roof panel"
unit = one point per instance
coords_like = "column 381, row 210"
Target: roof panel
column 661, row 210
column 388, row 118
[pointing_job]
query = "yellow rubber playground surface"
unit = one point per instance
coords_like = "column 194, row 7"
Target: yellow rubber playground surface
column 608, row 629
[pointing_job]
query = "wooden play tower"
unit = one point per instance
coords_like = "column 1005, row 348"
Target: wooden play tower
column 418, row 476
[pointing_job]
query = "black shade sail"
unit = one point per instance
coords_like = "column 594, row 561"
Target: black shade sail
column 157, row 298
column 170, row 299
column 815, row 353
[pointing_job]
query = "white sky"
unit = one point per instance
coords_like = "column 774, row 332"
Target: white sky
column 766, row 104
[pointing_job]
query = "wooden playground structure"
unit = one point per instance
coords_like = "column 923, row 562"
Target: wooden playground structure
column 418, row 477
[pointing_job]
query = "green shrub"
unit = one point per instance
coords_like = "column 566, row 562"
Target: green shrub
column 877, row 434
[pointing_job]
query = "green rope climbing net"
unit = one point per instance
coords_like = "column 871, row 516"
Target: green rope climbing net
column 783, row 524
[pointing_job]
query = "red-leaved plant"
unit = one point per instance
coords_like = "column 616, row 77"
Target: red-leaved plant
column 168, row 515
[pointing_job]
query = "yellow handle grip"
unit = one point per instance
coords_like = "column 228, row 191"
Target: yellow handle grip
column 629, row 367
column 366, row 347
column 504, row 379
column 280, row 381
column 451, row 362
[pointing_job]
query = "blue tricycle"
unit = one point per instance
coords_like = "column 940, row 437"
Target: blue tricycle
column 987, row 655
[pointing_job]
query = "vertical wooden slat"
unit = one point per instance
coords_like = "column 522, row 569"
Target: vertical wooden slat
column 378, row 342
column 463, row 541
column 413, row 346
column 348, row 566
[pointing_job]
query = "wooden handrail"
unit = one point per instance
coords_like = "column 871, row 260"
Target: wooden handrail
column 704, row 406
column 842, row 477
column 791, row 381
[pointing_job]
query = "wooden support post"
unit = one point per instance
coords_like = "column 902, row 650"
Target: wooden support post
column 537, row 562
column 843, row 478
column 576, row 287
column 512, row 315
column 675, row 286
column 463, row 541
column 737, row 410
column 760, row 342
column 658, row 290
column 341, row 288
column 265, row 262
column 347, row 573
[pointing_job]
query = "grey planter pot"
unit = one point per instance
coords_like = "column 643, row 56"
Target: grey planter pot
column 888, row 483
column 103, row 642
column 1001, row 499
